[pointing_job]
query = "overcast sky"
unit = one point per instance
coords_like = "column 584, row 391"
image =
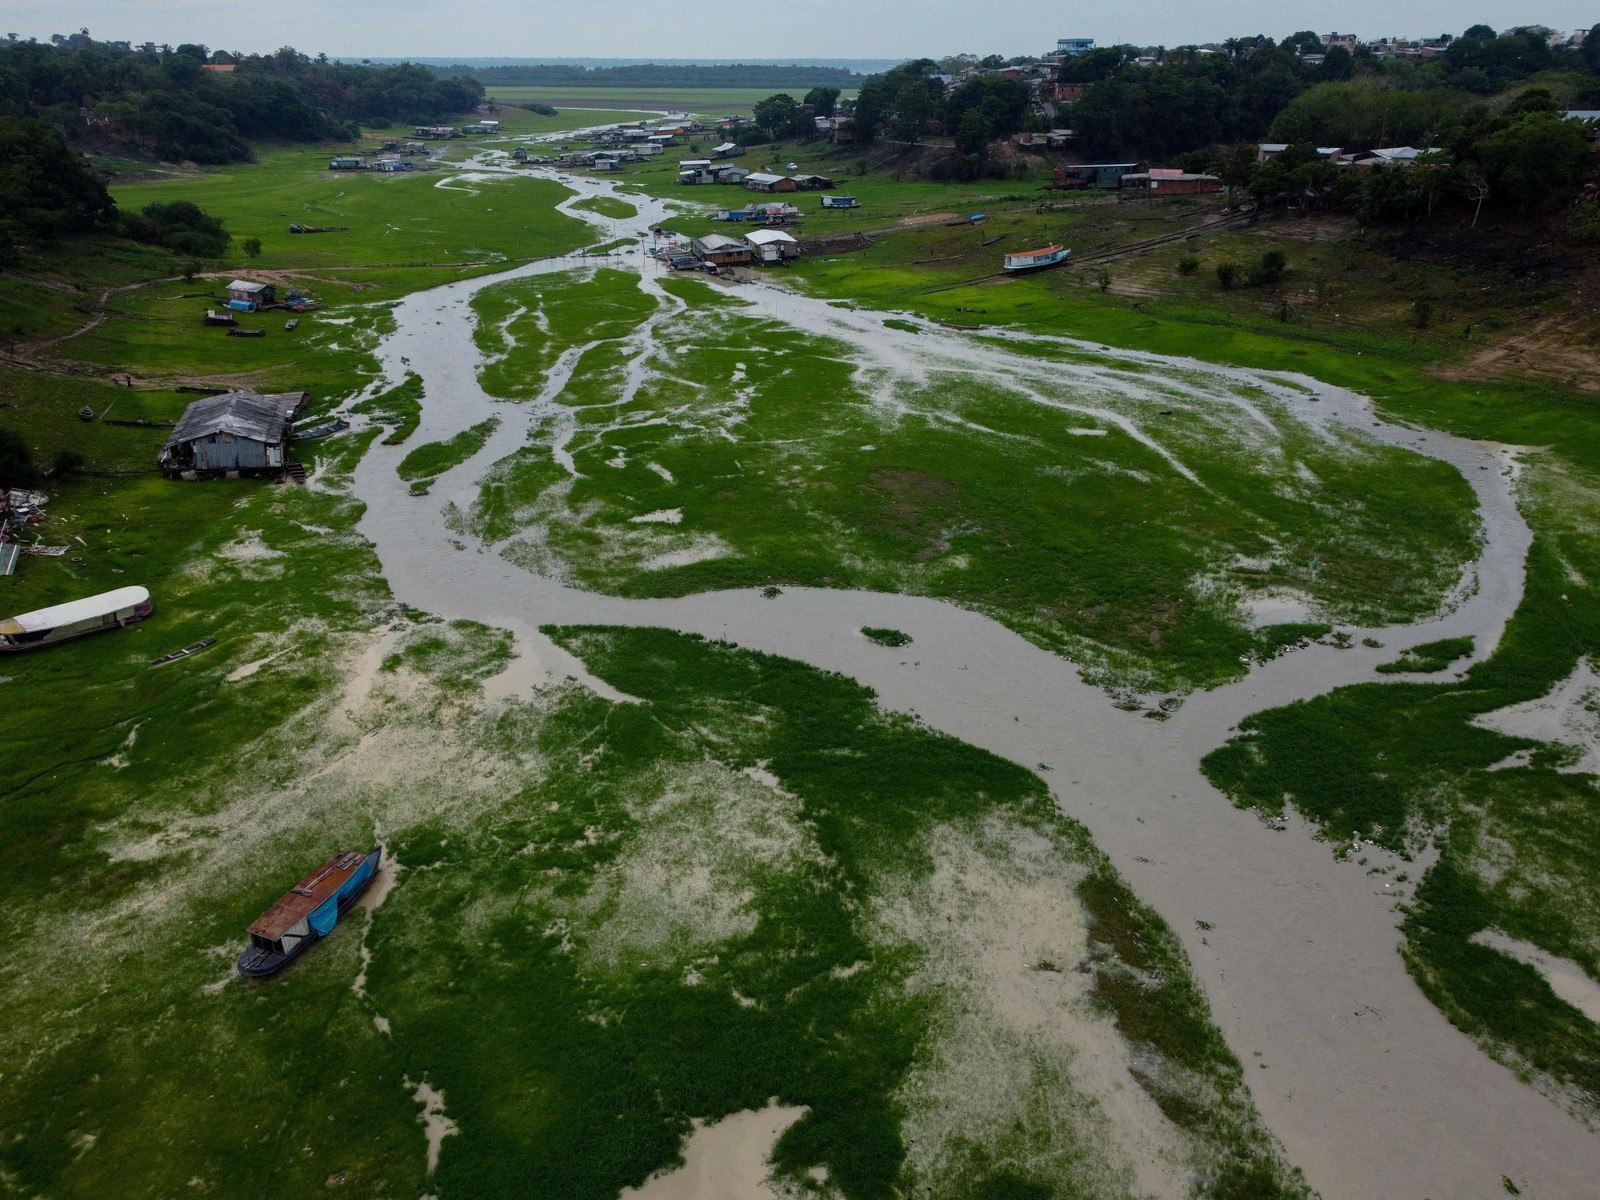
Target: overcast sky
column 704, row 29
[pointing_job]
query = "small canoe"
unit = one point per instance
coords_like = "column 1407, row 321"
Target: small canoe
column 291, row 324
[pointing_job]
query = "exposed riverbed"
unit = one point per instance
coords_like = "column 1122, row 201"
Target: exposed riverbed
column 1371, row 1090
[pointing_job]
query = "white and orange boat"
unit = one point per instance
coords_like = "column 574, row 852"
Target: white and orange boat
column 1037, row 260
column 46, row 626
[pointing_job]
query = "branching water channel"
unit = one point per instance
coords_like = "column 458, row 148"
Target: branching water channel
column 1371, row 1090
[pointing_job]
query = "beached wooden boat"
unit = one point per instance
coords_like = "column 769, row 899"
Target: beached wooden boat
column 1037, row 260
column 46, row 626
column 308, row 911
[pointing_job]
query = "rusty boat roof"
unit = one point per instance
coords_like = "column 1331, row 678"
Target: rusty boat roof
column 300, row 901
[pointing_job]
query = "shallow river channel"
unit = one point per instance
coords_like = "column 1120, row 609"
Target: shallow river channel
column 1372, row 1092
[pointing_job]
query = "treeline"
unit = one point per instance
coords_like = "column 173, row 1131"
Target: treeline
column 652, row 75
column 1521, row 158
column 1255, row 88
column 48, row 191
column 191, row 103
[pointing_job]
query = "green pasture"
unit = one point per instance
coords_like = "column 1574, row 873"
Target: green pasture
column 707, row 101
column 420, row 218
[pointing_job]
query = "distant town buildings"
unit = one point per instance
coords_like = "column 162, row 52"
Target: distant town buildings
column 1072, row 47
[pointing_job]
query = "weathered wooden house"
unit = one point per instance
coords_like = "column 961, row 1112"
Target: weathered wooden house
column 813, row 183
column 1171, row 183
column 721, row 250
column 763, row 181
column 242, row 433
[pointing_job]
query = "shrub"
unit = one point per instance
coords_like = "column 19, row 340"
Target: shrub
column 1188, row 265
column 251, row 247
column 16, row 461
column 1268, row 269
column 1227, row 275
column 66, row 463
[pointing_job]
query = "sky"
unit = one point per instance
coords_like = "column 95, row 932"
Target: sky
column 350, row 29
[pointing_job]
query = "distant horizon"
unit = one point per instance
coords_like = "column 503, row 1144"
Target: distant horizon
column 358, row 29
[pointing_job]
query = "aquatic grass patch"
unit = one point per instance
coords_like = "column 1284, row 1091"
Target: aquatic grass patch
column 607, row 206
column 524, row 326
column 457, row 654
column 1429, row 657
column 435, row 458
column 885, row 637
column 1405, row 764
column 399, row 408
column 1120, row 518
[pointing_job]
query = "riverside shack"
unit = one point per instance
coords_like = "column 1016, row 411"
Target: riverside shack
column 236, row 433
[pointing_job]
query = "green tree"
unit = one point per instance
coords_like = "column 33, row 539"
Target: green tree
column 823, row 100
column 1535, row 158
column 251, row 247
column 46, row 191
column 775, row 115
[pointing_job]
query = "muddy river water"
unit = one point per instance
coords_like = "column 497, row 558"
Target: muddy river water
column 1372, row 1092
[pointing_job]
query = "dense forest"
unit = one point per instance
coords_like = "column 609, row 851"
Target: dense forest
column 1192, row 98
column 191, row 103
column 1488, row 110
column 652, row 75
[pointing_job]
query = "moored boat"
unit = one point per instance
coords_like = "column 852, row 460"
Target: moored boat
column 1037, row 260
column 45, row 626
column 308, row 911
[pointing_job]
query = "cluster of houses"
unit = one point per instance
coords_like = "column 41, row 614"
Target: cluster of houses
column 383, row 162
column 444, row 133
column 760, row 247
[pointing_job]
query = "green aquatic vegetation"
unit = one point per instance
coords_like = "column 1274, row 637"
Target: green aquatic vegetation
column 885, row 637
column 607, row 206
column 1429, row 657
column 434, row 458
column 1406, row 763
column 400, row 408
column 785, row 462
column 525, row 325
column 460, row 654
column 1505, row 1003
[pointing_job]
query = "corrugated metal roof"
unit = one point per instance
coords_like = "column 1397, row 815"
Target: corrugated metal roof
column 262, row 418
column 245, row 285
column 764, row 177
column 75, row 610
column 765, row 237
column 718, row 241
column 307, row 895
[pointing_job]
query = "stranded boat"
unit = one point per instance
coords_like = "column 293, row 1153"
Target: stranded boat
column 308, row 911
column 1037, row 260
column 45, row 626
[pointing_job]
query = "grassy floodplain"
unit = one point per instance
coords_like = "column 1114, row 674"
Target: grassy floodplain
column 708, row 101
column 151, row 812
column 753, row 454
column 1401, row 763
